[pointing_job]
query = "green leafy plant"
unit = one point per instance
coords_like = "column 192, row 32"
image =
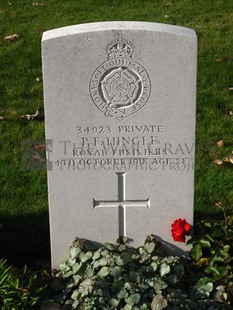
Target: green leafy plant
column 212, row 252
column 117, row 276
column 18, row 289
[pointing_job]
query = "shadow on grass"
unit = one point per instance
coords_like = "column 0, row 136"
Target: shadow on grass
column 24, row 240
column 207, row 215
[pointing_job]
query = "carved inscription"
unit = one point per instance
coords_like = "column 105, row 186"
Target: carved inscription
column 124, row 148
column 121, row 204
column 120, row 86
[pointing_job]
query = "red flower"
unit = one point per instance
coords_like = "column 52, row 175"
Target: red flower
column 180, row 229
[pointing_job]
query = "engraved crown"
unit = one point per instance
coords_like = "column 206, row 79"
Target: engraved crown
column 120, row 48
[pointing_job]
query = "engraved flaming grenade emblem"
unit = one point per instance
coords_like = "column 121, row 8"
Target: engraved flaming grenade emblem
column 120, row 86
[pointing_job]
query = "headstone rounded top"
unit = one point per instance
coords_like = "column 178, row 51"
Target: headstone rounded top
column 117, row 25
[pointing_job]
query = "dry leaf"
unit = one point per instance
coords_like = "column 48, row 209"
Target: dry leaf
column 38, row 4
column 12, row 37
column 224, row 59
column 28, row 116
column 218, row 162
column 40, row 147
column 218, row 204
column 220, row 143
column 2, row 118
column 206, row 20
column 228, row 159
column 37, row 116
column 37, row 157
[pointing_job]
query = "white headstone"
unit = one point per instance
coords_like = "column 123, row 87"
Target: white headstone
column 120, row 118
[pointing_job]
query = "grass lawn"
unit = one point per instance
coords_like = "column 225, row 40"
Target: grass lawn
column 23, row 193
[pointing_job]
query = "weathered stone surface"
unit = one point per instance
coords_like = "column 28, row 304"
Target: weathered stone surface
column 120, row 124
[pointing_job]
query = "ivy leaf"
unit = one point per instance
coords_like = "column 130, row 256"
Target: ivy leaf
column 103, row 262
column 144, row 257
column 68, row 274
column 109, row 246
column 122, row 294
column 104, row 271
column 179, row 270
column 85, row 256
column 207, row 224
column 114, row 302
column 149, row 247
column 205, row 243
column 96, row 255
column 133, row 299
column 135, row 277
column 202, row 281
column 159, row 285
column 217, row 233
column 152, row 267
column 85, row 287
column 210, row 238
column 119, row 261
column 217, row 258
column 151, row 282
column 71, row 262
column 75, row 294
column 76, row 279
column 173, row 279
column 75, row 304
column 164, row 269
column 225, row 251
column 64, row 267
column 158, row 302
column 126, row 258
column 196, row 252
column 89, row 271
column 205, row 286
column 115, row 271
column 213, row 269
column 105, row 253
column 74, row 251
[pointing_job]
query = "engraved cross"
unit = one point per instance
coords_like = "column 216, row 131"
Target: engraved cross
column 121, row 203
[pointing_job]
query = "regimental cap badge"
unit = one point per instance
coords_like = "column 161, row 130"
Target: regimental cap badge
column 120, row 86
column 120, row 48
